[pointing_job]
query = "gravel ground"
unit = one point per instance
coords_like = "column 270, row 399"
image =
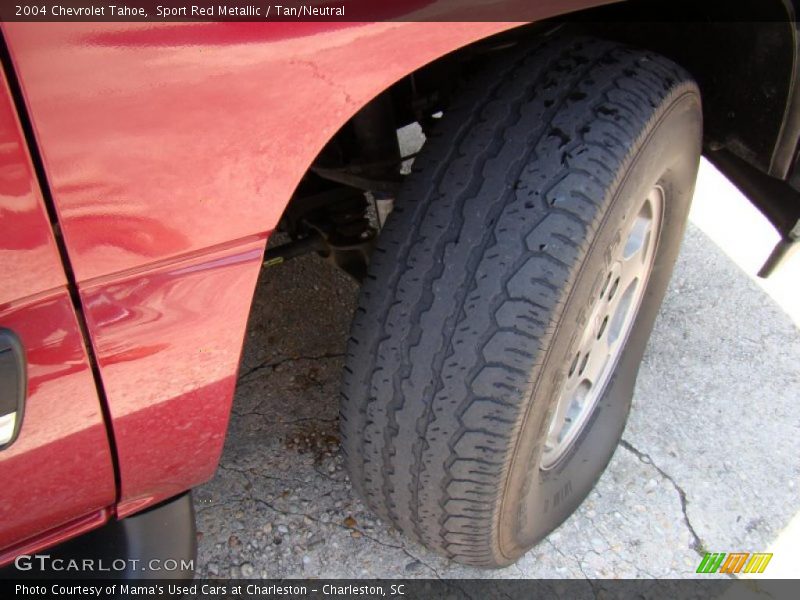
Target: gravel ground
column 710, row 458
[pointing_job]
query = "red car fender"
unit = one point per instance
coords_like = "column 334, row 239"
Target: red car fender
column 171, row 151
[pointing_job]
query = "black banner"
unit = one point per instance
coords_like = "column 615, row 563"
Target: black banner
column 454, row 589
column 148, row 11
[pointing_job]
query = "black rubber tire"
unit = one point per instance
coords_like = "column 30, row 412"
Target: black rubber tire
column 475, row 294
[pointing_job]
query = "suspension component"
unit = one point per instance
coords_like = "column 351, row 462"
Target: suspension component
column 335, row 225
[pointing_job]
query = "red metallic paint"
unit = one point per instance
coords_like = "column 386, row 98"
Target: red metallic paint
column 29, row 260
column 160, row 149
column 56, row 536
column 161, row 140
column 168, row 343
column 57, row 478
column 171, row 151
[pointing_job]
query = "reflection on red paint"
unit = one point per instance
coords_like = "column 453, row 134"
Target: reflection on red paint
column 154, row 151
column 59, row 469
column 129, row 233
column 168, row 344
column 171, row 150
column 29, row 262
column 60, row 466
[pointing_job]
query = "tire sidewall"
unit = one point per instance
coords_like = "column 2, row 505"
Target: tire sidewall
column 534, row 501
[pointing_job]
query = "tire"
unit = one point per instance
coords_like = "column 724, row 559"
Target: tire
column 485, row 282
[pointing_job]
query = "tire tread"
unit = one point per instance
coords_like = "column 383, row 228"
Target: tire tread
column 471, row 273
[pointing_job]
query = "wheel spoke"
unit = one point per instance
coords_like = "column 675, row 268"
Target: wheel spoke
column 557, row 421
column 606, row 331
column 598, row 358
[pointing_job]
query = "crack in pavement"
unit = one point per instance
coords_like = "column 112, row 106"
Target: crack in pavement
column 697, row 545
column 269, row 505
column 289, row 359
column 274, row 422
column 577, row 561
column 610, row 549
column 305, row 419
column 246, row 472
column 346, row 528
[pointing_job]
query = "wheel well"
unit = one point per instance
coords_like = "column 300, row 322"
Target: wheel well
column 745, row 70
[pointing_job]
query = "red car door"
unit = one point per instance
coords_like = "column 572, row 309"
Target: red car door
column 56, row 471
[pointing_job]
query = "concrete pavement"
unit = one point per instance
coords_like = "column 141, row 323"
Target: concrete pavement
column 710, row 459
